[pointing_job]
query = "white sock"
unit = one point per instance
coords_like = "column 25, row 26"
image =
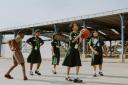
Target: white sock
column 76, row 76
column 31, row 72
column 67, row 76
column 100, row 70
column 94, row 72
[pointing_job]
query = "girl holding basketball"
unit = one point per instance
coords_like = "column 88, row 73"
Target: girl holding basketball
column 96, row 45
column 72, row 58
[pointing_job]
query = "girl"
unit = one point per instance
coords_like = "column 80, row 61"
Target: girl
column 35, row 56
column 96, row 45
column 55, row 52
column 72, row 58
column 15, row 46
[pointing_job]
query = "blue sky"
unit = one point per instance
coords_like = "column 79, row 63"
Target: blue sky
column 21, row 12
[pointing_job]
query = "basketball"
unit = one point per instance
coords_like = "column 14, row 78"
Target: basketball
column 85, row 33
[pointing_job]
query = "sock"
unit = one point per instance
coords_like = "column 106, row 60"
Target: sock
column 94, row 72
column 76, row 76
column 37, row 69
column 31, row 72
column 100, row 70
column 67, row 76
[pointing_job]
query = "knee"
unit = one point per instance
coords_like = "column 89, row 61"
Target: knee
column 22, row 64
column 15, row 65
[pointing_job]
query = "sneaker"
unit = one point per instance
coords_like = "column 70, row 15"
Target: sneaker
column 77, row 80
column 101, row 74
column 37, row 72
column 31, row 73
column 68, row 79
column 25, row 78
column 95, row 75
column 8, row 76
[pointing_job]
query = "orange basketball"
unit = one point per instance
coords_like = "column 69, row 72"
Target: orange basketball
column 85, row 33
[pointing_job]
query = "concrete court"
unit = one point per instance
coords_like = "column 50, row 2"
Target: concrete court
column 116, row 73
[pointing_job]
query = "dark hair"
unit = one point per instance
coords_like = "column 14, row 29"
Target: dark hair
column 93, row 32
column 53, row 37
column 37, row 30
column 20, row 32
column 71, row 25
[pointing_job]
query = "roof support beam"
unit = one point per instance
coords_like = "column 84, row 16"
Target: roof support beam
column 110, row 48
column 1, row 38
column 55, row 28
column 84, row 41
column 122, row 37
column 33, row 31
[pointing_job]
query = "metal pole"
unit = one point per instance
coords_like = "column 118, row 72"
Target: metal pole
column 122, row 37
column 83, row 47
column 110, row 48
column 1, row 38
column 15, row 34
column 55, row 28
column 84, row 41
column 33, row 32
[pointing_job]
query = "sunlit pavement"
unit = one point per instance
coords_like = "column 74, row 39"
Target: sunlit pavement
column 116, row 73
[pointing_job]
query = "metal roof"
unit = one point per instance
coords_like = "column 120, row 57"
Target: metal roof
column 108, row 24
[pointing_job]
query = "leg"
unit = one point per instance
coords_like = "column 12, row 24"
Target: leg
column 100, row 70
column 68, row 74
column 94, row 69
column 100, row 67
column 9, row 71
column 37, row 70
column 24, row 71
column 38, row 66
column 76, row 79
column 31, row 66
column 54, row 69
column 68, row 71
column 7, row 75
column 77, row 70
column 54, row 62
column 57, row 58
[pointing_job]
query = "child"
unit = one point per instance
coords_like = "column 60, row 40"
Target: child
column 17, row 55
column 55, row 52
column 35, row 57
column 72, row 58
column 96, row 45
